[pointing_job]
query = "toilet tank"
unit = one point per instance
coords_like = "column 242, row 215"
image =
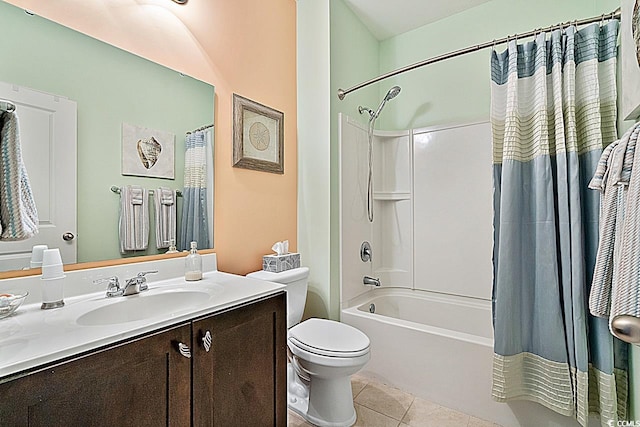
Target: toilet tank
column 296, row 281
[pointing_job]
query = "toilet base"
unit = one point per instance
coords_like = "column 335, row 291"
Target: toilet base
column 337, row 413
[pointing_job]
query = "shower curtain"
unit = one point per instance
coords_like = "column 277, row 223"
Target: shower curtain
column 553, row 111
column 194, row 224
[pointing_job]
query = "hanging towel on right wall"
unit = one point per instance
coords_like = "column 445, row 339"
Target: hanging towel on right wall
column 615, row 291
column 194, row 223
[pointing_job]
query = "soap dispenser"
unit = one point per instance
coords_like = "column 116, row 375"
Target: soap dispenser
column 172, row 247
column 193, row 264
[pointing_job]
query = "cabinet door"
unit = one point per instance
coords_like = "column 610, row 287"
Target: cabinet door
column 145, row 382
column 241, row 380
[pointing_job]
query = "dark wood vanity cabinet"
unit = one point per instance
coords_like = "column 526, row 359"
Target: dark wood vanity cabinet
column 240, row 381
column 244, row 372
column 144, row 382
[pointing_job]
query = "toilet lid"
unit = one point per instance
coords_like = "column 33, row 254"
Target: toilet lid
column 329, row 338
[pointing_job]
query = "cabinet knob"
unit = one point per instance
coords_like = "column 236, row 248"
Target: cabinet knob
column 184, row 350
column 206, row 341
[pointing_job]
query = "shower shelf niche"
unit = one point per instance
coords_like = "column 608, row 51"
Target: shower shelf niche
column 393, row 208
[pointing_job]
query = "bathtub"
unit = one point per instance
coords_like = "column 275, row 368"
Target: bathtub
column 438, row 347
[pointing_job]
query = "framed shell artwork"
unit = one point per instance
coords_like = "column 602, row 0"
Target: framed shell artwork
column 147, row 152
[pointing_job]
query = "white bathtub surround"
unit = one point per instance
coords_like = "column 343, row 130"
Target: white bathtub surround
column 435, row 346
column 435, row 340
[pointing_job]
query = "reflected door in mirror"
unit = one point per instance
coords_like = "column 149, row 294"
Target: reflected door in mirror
column 48, row 143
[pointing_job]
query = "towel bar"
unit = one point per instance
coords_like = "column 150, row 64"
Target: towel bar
column 117, row 190
column 627, row 328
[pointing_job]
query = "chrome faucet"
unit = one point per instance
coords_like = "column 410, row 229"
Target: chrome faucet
column 137, row 284
column 372, row 281
column 113, row 286
column 133, row 286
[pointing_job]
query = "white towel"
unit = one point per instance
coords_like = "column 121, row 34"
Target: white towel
column 18, row 214
column 165, row 204
column 615, row 290
column 134, row 218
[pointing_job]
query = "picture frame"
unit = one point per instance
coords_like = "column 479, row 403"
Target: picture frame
column 630, row 67
column 258, row 136
column 147, row 152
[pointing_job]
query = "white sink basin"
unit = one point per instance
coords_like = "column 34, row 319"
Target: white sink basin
column 146, row 306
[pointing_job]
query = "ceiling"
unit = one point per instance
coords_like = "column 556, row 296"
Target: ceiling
column 386, row 18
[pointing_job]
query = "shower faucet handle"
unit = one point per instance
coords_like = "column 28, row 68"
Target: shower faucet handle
column 365, row 252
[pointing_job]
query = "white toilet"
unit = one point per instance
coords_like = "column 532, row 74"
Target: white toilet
column 324, row 354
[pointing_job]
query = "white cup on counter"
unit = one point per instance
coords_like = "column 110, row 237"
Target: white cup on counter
column 51, row 257
column 52, row 281
column 52, row 271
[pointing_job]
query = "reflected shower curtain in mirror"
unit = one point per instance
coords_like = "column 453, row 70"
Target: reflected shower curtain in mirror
column 553, row 110
column 194, row 223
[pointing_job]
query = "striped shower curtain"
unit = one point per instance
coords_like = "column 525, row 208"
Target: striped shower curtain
column 553, row 112
column 194, row 223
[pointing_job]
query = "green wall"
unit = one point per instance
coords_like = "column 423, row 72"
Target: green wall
column 110, row 86
column 354, row 58
column 453, row 91
column 458, row 89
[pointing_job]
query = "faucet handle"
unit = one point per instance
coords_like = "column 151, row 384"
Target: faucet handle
column 144, row 273
column 113, row 285
column 141, row 280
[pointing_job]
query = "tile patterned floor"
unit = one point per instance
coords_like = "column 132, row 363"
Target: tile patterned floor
column 378, row 405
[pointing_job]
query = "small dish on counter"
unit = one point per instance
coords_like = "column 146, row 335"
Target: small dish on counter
column 10, row 301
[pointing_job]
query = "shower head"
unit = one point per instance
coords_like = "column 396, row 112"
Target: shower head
column 393, row 92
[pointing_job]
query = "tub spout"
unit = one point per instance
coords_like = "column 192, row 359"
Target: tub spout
column 372, row 281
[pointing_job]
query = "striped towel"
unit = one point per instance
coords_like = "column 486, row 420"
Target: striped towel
column 615, row 289
column 134, row 218
column 18, row 213
column 165, row 204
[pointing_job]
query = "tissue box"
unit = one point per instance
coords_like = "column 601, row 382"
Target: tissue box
column 278, row 263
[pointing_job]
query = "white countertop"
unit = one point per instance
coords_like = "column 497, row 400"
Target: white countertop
column 32, row 337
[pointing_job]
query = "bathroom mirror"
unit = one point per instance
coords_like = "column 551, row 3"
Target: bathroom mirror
column 110, row 87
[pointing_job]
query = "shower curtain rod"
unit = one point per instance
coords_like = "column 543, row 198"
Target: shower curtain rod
column 343, row 92
column 200, row 129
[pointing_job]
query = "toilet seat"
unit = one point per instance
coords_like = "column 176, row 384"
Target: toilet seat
column 329, row 338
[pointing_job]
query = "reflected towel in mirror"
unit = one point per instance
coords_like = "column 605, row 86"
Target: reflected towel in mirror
column 134, row 218
column 165, row 209
column 18, row 213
